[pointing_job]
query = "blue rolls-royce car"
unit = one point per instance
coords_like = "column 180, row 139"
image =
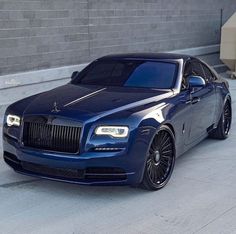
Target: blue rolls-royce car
column 124, row 119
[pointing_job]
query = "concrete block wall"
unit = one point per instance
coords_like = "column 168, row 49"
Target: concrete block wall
column 154, row 25
column 38, row 34
column 41, row 34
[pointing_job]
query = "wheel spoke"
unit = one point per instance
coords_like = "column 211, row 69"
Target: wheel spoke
column 167, row 152
column 149, row 164
column 155, row 174
column 165, row 139
column 153, row 148
column 162, row 171
column 227, row 117
column 164, row 163
column 166, row 146
column 167, row 157
column 158, row 176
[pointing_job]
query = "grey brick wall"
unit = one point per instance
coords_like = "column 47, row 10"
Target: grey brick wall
column 37, row 34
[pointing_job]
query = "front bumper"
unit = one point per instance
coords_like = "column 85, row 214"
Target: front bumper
column 91, row 168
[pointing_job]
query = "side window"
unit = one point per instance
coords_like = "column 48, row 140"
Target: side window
column 187, row 72
column 194, row 68
column 197, row 70
column 208, row 74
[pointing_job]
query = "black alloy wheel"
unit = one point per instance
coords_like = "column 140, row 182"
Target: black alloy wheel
column 227, row 117
column 223, row 127
column 160, row 161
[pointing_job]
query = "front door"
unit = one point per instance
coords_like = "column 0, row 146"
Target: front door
column 202, row 101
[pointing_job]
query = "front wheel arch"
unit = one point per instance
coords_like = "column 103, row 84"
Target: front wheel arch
column 171, row 127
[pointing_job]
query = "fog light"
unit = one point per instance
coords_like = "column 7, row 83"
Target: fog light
column 106, row 149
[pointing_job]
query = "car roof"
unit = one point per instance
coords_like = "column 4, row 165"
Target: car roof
column 147, row 56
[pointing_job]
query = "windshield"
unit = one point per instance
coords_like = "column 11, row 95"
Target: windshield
column 126, row 73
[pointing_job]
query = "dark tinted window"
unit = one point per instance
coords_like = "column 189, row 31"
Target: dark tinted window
column 188, row 69
column 153, row 75
column 194, row 68
column 102, row 73
column 197, row 69
column 146, row 74
column 208, row 74
column 187, row 73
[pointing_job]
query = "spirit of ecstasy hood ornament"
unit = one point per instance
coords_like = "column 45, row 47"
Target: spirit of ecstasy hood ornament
column 55, row 108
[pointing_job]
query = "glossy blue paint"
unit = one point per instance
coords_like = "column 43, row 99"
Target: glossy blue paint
column 196, row 82
column 189, row 114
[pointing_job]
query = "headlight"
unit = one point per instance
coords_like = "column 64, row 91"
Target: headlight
column 13, row 120
column 114, row 131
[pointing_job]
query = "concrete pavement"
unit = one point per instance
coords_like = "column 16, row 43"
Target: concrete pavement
column 200, row 198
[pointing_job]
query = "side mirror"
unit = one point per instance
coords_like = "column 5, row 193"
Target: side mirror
column 196, row 82
column 74, row 75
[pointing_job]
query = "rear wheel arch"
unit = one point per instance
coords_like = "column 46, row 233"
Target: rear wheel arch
column 228, row 99
column 223, row 126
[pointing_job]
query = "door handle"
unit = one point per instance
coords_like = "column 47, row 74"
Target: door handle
column 195, row 100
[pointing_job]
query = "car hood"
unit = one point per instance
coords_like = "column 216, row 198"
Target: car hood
column 87, row 101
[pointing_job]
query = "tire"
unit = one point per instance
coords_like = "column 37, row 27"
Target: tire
column 223, row 127
column 160, row 161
